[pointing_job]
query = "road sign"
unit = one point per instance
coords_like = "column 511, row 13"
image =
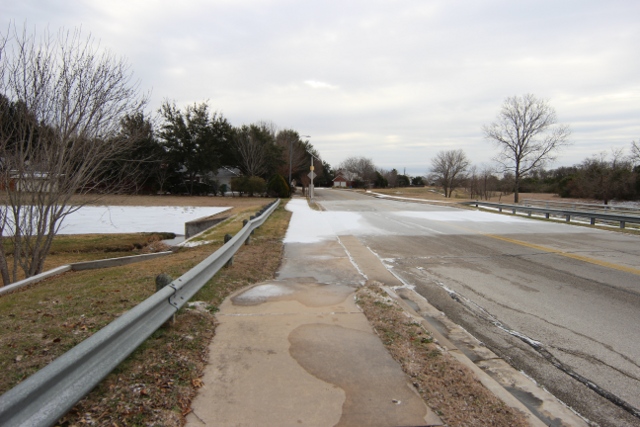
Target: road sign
column 312, row 175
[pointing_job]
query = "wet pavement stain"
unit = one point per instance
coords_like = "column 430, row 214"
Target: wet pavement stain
column 308, row 294
column 377, row 392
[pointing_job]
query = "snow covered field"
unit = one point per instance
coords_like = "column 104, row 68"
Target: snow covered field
column 133, row 219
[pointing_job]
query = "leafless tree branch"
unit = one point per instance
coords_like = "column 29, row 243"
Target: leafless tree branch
column 63, row 99
column 527, row 135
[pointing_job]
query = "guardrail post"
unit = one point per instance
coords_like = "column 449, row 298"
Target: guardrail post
column 500, row 209
column 513, row 211
column 252, row 218
column 546, row 215
column 593, row 220
column 228, row 237
column 622, row 224
column 244, row 223
column 162, row 280
column 568, row 218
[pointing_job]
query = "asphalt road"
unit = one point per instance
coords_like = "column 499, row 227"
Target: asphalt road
column 559, row 302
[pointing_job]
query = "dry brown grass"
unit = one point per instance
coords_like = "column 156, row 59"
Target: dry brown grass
column 426, row 193
column 460, row 195
column 168, row 200
column 448, row 387
column 154, row 386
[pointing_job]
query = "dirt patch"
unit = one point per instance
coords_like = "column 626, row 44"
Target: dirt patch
column 448, row 387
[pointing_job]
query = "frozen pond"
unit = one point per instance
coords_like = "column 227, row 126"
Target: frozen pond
column 133, row 219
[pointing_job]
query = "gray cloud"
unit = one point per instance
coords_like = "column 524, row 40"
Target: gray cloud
column 394, row 81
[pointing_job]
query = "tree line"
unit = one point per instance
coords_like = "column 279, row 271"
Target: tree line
column 73, row 121
column 606, row 176
column 528, row 138
column 184, row 150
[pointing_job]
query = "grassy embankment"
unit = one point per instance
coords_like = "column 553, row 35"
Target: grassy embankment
column 155, row 385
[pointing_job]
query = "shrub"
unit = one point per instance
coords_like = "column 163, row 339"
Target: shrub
column 256, row 185
column 250, row 185
column 277, row 187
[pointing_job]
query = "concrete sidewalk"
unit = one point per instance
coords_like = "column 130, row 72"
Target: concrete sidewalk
column 296, row 353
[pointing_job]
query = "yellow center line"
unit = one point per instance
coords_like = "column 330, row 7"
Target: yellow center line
column 568, row 255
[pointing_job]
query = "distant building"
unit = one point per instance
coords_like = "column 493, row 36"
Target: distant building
column 32, row 182
column 344, row 179
column 224, row 175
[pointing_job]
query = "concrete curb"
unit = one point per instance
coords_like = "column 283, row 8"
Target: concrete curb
column 489, row 363
column 79, row 266
column 116, row 262
column 34, row 279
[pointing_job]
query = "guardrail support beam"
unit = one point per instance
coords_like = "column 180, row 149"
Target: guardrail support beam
column 228, row 237
column 547, row 212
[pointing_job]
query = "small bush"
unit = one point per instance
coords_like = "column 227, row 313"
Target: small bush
column 251, row 185
column 277, row 187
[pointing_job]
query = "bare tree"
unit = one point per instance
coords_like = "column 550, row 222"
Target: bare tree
column 481, row 182
column 294, row 151
column 256, row 150
column 62, row 104
column 448, row 169
column 392, row 177
column 527, row 135
column 362, row 167
column 635, row 152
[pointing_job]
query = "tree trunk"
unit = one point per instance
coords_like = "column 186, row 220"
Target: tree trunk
column 4, row 268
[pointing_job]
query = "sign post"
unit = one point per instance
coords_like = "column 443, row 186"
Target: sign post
column 311, row 175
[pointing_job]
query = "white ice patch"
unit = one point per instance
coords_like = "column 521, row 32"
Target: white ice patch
column 133, row 219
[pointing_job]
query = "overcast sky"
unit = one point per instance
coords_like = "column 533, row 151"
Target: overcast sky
column 395, row 81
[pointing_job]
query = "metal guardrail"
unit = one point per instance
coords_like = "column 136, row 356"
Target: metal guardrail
column 43, row 398
column 591, row 207
column 568, row 214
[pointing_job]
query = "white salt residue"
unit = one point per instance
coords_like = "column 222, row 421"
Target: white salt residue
column 262, row 292
column 448, row 216
column 133, row 219
column 306, row 225
column 309, row 226
column 353, row 261
column 194, row 243
column 351, row 223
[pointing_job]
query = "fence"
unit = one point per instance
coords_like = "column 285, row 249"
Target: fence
column 47, row 395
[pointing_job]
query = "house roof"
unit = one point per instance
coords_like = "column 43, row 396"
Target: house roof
column 346, row 175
